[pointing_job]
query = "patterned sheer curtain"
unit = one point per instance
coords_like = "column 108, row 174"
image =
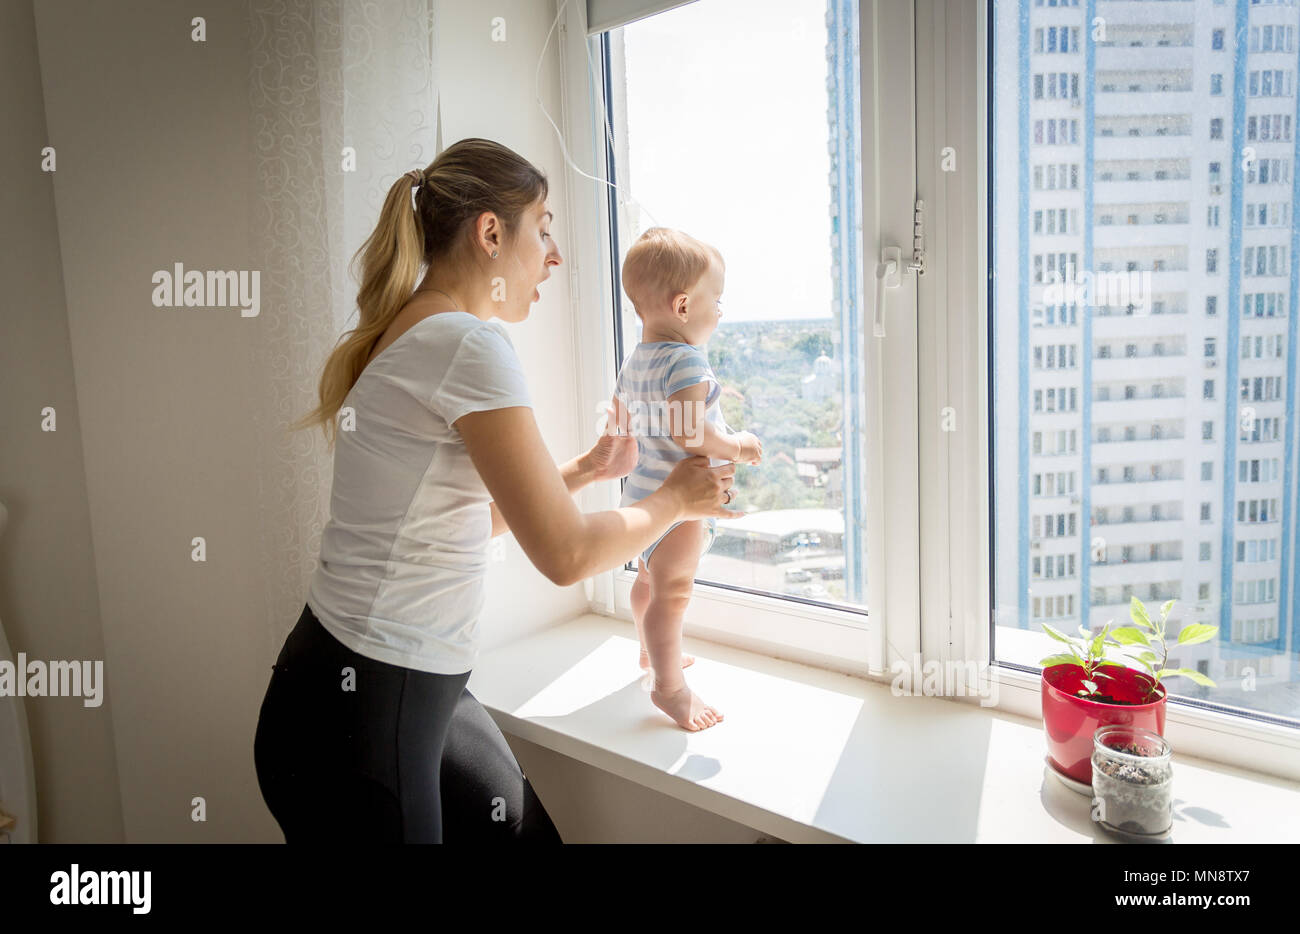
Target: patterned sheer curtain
column 343, row 99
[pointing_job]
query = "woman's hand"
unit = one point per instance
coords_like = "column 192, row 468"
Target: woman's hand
column 612, row 456
column 702, row 491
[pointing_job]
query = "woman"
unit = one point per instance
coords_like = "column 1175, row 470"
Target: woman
column 367, row 729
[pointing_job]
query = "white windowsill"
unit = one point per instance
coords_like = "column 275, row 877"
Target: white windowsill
column 810, row 755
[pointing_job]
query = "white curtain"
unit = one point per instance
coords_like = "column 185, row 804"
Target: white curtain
column 325, row 77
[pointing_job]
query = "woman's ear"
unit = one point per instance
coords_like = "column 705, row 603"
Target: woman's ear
column 489, row 231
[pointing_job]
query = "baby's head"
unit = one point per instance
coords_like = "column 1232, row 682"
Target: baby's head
column 674, row 282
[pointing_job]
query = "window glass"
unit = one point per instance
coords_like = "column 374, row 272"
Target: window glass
column 1184, row 459
column 737, row 122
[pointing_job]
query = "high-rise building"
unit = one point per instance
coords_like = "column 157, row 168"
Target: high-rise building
column 1146, row 305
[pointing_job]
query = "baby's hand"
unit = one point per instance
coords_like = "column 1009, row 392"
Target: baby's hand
column 751, row 449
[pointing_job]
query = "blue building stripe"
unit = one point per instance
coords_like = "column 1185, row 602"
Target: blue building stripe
column 1085, row 470
column 1286, row 596
column 1022, row 184
column 1231, row 425
column 844, row 37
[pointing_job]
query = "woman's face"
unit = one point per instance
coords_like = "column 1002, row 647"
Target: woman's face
column 529, row 259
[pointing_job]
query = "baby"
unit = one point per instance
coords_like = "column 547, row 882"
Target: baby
column 668, row 397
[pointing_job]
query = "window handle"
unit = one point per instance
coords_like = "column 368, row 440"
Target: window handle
column 888, row 276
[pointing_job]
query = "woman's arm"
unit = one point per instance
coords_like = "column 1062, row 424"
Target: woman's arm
column 612, row 456
column 576, row 473
column 564, row 543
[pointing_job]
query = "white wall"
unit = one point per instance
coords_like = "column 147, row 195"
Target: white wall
column 48, row 599
column 153, row 138
column 488, row 89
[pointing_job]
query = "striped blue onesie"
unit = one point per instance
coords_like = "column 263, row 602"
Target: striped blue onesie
column 649, row 375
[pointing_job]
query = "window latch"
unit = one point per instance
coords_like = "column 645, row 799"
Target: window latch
column 888, row 276
column 889, row 271
column 918, row 241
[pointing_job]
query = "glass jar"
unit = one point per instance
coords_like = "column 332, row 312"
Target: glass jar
column 1132, row 780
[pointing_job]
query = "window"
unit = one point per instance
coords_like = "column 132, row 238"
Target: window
column 793, row 376
column 927, row 496
column 1146, row 377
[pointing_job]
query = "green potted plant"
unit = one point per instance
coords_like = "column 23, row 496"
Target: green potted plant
column 1091, row 686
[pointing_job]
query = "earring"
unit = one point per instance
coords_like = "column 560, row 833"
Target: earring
column 494, row 254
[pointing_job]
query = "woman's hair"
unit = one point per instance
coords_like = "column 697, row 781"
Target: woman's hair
column 662, row 263
column 468, row 178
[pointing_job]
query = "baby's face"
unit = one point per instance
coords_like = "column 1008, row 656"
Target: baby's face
column 704, row 307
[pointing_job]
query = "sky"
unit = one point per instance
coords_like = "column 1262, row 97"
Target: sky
column 728, row 136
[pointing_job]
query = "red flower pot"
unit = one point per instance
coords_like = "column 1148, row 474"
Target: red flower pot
column 1070, row 720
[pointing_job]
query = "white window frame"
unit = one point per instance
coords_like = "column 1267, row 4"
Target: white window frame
column 923, row 77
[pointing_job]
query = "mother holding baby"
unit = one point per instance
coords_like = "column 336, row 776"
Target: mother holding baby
column 367, row 716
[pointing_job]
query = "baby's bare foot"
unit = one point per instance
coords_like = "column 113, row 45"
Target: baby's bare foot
column 686, row 708
column 687, row 660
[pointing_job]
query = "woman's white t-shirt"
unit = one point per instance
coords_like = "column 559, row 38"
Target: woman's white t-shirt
column 404, row 552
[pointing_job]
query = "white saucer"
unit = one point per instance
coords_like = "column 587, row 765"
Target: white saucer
column 1130, row 837
column 1067, row 781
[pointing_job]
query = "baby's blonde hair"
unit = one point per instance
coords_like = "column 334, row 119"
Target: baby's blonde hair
column 662, row 263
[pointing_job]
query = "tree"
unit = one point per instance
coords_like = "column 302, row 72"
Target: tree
column 813, row 344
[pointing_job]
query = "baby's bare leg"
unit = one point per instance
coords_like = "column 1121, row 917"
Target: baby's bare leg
column 640, row 600
column 672, row 577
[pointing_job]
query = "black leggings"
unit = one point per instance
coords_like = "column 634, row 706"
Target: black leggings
column 397, row 756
